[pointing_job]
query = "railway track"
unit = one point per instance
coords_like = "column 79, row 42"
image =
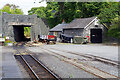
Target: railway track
column 88, row 68
column 97, row 58
column 36, row 69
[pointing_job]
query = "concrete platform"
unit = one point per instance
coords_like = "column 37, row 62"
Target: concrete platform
column 0, row 62
column 10, row 68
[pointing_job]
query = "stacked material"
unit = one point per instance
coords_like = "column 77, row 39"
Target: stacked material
column 80, row 40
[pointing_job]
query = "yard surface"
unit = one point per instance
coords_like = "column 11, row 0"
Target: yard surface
column 54, row 56
column 60, row 58
column 110, row 52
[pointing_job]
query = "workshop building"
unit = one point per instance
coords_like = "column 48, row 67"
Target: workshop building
column 86, row 27
column 58, row 29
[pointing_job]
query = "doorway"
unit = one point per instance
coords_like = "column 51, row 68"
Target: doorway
column 96, row 35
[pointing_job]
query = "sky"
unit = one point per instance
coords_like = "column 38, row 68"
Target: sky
column 25, row 5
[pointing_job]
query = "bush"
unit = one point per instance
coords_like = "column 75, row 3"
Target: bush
column 8, row 41
column 114, row 30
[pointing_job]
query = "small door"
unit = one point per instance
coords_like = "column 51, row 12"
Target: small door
column 96, row 35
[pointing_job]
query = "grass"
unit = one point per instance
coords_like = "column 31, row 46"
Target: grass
column 8, row 41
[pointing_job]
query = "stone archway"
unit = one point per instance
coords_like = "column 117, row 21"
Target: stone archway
column 18, row 30
column 19, row 33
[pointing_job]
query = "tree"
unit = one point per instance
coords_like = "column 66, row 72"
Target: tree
column 11, row 9
column 109, row 13
column 114, row 30
column 47, row 12
column 55, row 12
column 73, row 10
column 111, row 16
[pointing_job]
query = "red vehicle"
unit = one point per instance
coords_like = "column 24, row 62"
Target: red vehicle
column 47, row 39
column 51, row 38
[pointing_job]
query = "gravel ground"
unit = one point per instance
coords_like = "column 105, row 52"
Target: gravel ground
column 61, row 68
column 110, row 52
column 44, row 57
column 105, row 67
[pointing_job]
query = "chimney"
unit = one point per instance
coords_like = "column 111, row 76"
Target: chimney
column 63, row 21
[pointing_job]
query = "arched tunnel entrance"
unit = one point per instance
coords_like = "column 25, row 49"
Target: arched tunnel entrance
column 21, row 34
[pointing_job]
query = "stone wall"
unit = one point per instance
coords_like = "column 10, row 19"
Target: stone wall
column 73, row 31
column 0, row 24
column 7, row 21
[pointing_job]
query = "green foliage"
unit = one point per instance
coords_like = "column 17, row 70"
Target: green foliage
column 55, row 12
column 6, row 42
column 110, row 12
column 114, row 30
column 81, row 10
column 11, row 9
column 27, row 31
column 47, row 12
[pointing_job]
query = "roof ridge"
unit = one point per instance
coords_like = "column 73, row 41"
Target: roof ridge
column 83, row 18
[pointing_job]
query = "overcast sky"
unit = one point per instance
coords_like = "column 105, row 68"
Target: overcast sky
column 25, row 5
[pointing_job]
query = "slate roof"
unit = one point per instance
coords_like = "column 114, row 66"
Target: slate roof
column 59, row 27
column 80, row 23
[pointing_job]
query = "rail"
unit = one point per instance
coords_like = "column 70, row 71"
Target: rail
column 39, row 70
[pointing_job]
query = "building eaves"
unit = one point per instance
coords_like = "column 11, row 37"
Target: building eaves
column 59, row 27
column 80, row 23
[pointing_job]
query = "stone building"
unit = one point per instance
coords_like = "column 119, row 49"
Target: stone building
column 58, row 29
column 86, row 27
column 12, row 25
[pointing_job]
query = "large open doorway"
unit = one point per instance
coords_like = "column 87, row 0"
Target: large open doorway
column 22, row 33
column 96, row 35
